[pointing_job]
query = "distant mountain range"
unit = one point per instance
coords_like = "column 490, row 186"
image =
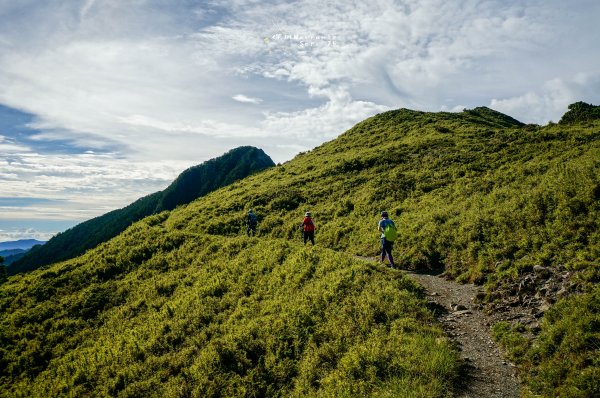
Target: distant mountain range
column 191, row 184
column 23, row 244
column 13, row 250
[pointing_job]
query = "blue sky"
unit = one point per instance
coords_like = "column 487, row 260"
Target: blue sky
column 105, row 101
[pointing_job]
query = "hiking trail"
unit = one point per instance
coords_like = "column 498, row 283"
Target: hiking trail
column 485, row 372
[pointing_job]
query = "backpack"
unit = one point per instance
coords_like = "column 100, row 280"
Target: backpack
column 390, row 232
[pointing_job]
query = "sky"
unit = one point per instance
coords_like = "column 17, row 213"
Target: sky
column 105, row 101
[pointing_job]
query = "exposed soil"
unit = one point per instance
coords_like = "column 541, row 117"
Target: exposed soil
column 485, row 372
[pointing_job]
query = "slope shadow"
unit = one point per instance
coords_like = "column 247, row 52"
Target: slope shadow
column 465, row 377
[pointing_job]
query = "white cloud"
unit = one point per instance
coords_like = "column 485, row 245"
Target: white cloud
column 87, row 6
column 550, row 102
column 8, row 146
column 322, row 123
column 79, row 187
column 247, row 100
column 205, row 127
column 430, row 55
column 25, row 233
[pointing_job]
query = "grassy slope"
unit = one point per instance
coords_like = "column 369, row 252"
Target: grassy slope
column 182, row 304
column 158, row 312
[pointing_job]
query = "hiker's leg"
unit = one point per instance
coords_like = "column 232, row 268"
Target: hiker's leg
column 389, row 252
column 305, row 236
column 312, row 237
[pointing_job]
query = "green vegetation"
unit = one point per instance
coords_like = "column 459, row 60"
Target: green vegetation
column 2, row 270
column 581, row 112
column 564, row 360
column 158, row 312
column 182, row 304
column 191, row 184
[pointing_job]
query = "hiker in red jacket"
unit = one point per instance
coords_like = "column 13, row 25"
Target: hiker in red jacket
column 308, row 228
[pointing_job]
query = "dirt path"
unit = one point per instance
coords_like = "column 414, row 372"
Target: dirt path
column 486, row 373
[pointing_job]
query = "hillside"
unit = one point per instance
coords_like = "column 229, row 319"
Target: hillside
column 11, row 252
column 10, row 256
column 191, row 184
column 183, row 304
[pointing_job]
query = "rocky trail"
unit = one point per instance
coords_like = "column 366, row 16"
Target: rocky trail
column 485, row 372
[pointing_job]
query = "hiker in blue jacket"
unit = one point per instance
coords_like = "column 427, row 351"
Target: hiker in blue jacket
column 251, row 223
column 387, row 242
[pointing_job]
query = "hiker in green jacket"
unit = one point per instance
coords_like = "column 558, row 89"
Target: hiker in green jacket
column 388, row 235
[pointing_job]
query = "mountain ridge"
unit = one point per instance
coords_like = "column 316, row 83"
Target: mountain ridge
column 190, row 184
column 184, row 301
